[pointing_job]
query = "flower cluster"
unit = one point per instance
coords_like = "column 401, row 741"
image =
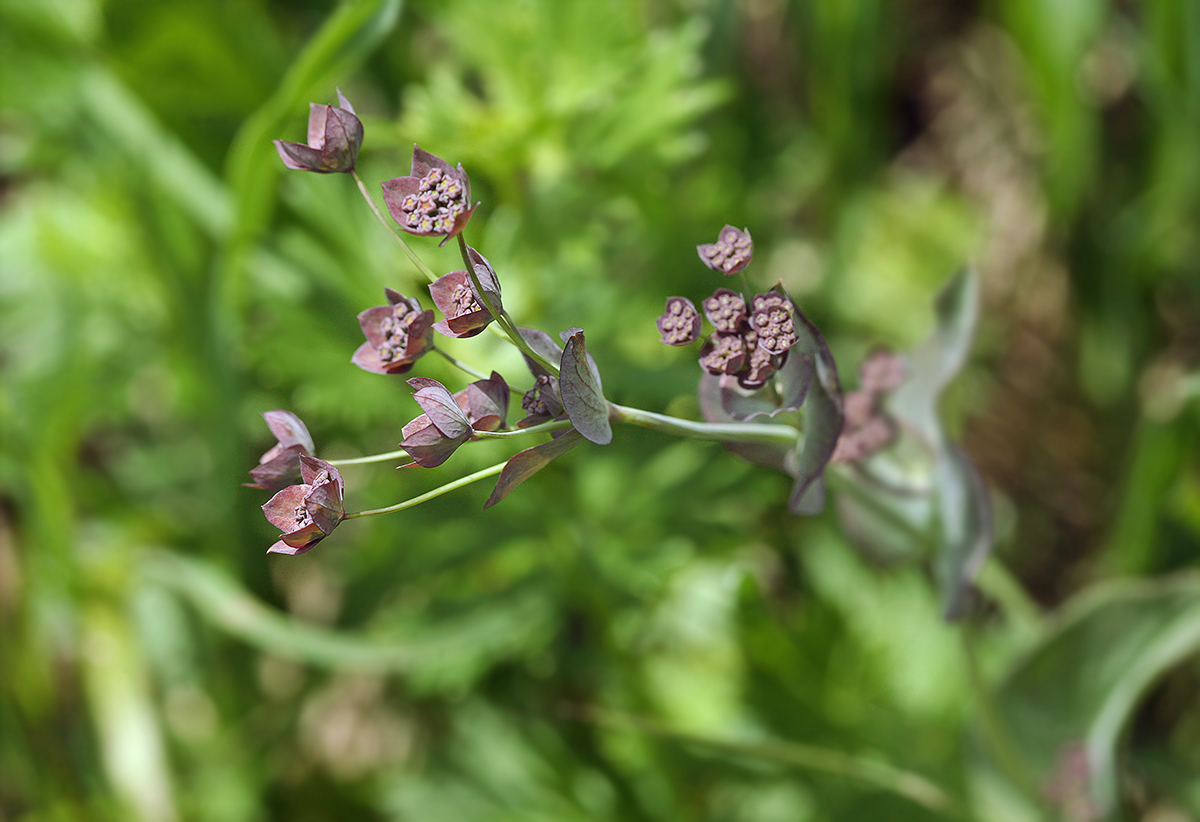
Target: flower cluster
column 769, row 391
column 750, row 340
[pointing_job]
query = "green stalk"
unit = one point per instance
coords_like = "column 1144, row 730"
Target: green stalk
column 499, row 315
column 436, row 492
column 425, row 270
column 740, row 432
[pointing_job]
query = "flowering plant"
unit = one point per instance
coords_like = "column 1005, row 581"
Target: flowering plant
column 768, row 388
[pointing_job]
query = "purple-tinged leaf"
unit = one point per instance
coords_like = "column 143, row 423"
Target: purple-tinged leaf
column 582, row 395
column 524, row 464
column 939, row 358
column 544, row 345
column 710, row 393
column 822, row 418
column 792, row 381
column 440, row 407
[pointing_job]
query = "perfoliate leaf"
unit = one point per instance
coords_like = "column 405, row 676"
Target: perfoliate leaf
column 524, row 464
column 822, row 418
column 582, row 396
column 965, row 513
column 543, row 344
column 1067, row 703
column 939, row 359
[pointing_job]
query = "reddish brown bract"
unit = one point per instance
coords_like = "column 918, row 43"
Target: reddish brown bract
column 398, row 334
column 307, row 513
column 334, row 138
column 433, row 201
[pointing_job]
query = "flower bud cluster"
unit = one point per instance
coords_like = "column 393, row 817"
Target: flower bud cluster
column 749, row 341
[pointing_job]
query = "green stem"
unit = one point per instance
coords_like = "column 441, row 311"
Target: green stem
column 436, row 492
column 412, row 256
column 740, row 432
column 388, row 457
column 462, row 366
column 554, row 425
column 499, row 315
column 912, row 786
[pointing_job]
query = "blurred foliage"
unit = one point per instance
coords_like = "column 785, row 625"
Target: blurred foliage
column 642, row 631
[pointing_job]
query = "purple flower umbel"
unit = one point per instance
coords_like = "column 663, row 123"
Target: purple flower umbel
column 334, row 138
column 307, row 513
column 398, row 334
column 732, row 251
column 433, row 201
column 680, row 322
column 280, row 466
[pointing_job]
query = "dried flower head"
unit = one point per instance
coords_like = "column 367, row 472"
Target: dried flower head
column 455, row 297
column 732, row 251
column 433, row 201
column 680, row 322
column 307, row 513
column 398, row 334
column 280, row 466
column 335, row 135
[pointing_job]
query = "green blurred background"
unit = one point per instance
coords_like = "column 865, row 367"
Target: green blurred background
column 641, row 632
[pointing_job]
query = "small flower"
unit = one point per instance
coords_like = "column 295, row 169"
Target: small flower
column 433, row 201
column 309, row 512
column 772, row 321
column 451, row 419
column 680, row 322
column 723, row 354
column 398, row 334
column 280, row 466
column 334, row 138
column 485, row 402
column 542, row 403
column 760, row 365
column 726, row 310
column 455, row 297
column 732, row 251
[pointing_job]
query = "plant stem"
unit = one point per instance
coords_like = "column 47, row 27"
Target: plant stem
column 462, row 366
column 390, row 455
column 436, row 492
column 555, row 425
column 741, row 432
column 499, row 315
column 412, row 256
column 912, row 786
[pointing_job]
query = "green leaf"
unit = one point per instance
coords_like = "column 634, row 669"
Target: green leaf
column 964, row 511
column 936, row 362
column 582, row 396
column 1077, row 689
column 966, row 527
column 524, row 464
